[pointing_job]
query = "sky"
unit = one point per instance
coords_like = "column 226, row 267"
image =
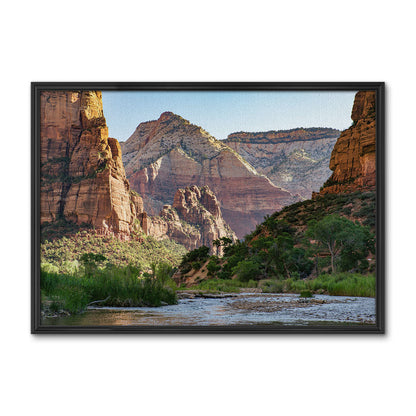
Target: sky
column 224, row 112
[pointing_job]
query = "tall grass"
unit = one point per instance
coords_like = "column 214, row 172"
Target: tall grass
column 224, row 285
column 345, row 284
column 112, row 286
column 339, row 284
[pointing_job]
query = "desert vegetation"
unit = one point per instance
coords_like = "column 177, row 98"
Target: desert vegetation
column 90, row 269
column 322, row 246
column 63, row 254
column 93, row 284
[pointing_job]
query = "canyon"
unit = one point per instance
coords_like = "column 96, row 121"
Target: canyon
column 84, row 184
column 164, row 155
column 173, row 180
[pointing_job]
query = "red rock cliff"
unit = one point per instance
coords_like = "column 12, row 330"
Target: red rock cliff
column 82, row 174
column 353, row 160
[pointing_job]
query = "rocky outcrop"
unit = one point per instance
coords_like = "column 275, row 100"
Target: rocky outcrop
column 194, row 219
column 170, row 153
column 296, row 160
column 83, row 181
column 353, row 160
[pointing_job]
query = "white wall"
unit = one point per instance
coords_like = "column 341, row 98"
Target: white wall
column 206, row 41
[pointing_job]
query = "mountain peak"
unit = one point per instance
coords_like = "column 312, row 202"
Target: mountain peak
column 169, row 116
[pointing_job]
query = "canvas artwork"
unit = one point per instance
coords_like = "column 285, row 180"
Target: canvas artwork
column 208, row 207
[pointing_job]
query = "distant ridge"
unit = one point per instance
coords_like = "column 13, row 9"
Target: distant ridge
column 295, row 159
column 279, row 136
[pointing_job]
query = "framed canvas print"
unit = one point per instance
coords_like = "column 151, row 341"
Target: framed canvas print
column 208, row 207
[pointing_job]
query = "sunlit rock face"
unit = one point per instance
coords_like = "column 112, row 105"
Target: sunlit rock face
column 296, row 160
column 164, row 155
column 194, row 219
column 353, row 160
column 82, row 174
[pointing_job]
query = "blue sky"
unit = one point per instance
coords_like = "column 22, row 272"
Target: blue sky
column 221, row 113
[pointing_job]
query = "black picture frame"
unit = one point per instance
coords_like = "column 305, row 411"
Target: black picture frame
column 378, row 87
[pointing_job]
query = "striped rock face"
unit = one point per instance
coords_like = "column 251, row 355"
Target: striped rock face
column 194, row 219
column 164, row 155
column 296, row 160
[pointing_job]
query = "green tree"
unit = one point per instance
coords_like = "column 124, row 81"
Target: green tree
column 248, row 270
column 356, row 248
column 222, row 242
column 163, row 272
column 277, row 227
column 199, row 254
column 91, row 262
column 298, row 264
column 277, row 254
column 346, row 241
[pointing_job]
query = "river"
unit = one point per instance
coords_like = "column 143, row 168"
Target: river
column 238, row 309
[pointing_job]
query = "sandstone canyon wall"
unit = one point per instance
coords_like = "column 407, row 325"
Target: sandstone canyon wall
column 296, row 160
column 353, row 160
column 82, row 174
column 170, row 153
column 194, row 219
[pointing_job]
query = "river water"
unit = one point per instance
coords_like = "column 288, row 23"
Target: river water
column 240, row 309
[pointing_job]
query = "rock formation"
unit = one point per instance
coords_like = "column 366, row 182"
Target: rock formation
column 296, row 160
column 82, row 174
column 194, row 219
column 170, row 153
column 353, row 160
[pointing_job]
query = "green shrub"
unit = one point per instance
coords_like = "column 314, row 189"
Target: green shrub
column 224, row 285
column 196, row 265
column 65, row 252
column 163, row 272
column 49, row 268
column 305, row 294
column 213, row 266
column 273, row 286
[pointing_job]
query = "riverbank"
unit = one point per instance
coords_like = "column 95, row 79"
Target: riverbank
column 239, row 309
column 339, row 284
column 64, row 295
column 112, row 286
